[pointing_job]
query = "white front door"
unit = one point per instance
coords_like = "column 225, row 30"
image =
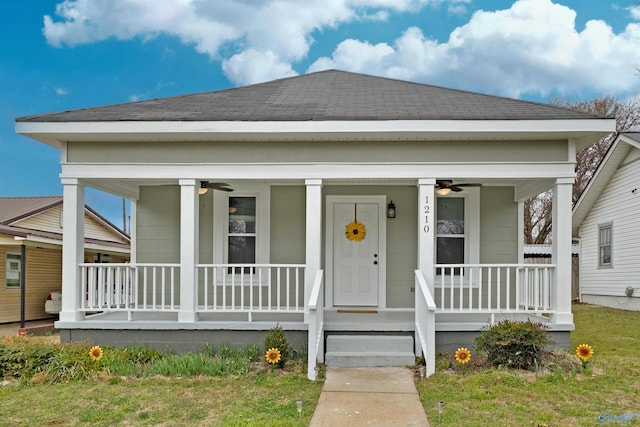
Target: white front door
column 356, row 263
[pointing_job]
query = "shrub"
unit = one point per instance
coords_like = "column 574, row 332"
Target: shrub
column 513, row 344
column 275, row 338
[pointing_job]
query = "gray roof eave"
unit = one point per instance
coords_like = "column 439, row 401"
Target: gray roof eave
column 584, row 131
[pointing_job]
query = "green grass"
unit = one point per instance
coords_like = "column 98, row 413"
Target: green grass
column 138, row 386
column 60, row 385
column 263, row 400
column 564, row 396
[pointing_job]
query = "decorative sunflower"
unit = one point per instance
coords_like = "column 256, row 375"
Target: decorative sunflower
column 273, row 356
column 463, row 355
column 356, row 231
column 584, row 352
column 95, row 353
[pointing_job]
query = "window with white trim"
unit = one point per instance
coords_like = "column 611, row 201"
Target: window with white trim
column 241, row 226
column 13, row 268
column 458, row 229
column 604, row 245
column 241, row 233
column 450, row 232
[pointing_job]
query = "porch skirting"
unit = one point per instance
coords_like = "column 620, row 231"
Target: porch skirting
column 165, row 332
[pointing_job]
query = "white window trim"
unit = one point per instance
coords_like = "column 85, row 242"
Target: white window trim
column 262, row 193
column 6, row 269
column 471, row 227
column 608, row 225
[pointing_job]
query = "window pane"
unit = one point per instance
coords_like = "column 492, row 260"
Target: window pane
column 242, row 214
column 13, row 271
column 450, row 215
column 242, row 250
column 605, row 245
column 605, row 255
column 450, row 250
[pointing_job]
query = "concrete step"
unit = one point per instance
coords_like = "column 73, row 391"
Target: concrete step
column 369, row 350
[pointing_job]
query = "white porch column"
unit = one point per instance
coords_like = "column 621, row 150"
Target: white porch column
column 561, row 244
column 133, row 232
column 188, row 249
column 72, row 249
column 426, row 230
column 313, row 245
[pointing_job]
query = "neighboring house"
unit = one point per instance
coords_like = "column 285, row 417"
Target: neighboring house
column 315, row 162
column 31, row 252
column 606, row 220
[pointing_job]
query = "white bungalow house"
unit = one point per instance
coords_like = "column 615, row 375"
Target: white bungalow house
column 432, row 179
column 606, row 220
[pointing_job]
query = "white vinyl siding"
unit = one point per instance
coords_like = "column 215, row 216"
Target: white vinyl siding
column 620, row 206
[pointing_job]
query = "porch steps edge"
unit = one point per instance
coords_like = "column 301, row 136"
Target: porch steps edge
column 369, row 350
column 343, row 359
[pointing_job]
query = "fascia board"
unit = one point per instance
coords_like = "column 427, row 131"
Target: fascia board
column 54, row 133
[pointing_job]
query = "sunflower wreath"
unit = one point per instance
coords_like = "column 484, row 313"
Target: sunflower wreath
column 355, row 231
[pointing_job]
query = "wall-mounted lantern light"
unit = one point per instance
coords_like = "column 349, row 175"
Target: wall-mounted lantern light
column 391, row 210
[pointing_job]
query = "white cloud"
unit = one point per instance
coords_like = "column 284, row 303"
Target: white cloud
column 532, row 47
column 61, row 91
column 269, row 34
column 241, row 67
column 635, row 12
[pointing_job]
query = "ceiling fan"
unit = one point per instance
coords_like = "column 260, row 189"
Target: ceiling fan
column 446, row 186
column 205, row 186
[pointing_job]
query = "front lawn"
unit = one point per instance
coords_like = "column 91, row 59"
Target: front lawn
column 607, row 391
column 141, row 388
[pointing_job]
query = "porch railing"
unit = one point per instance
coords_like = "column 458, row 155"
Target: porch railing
column 251, row 288
column 130, row 287
column 425, row 323
column 495, row 288
column 316, row 326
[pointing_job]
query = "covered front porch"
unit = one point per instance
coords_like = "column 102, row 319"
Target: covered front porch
column 235, row 304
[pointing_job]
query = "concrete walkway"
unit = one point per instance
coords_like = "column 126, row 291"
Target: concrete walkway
column 369, row 397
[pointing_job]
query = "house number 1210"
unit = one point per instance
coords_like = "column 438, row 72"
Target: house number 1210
column 427, row 211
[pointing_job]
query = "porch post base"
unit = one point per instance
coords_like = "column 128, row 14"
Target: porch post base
column 562, row 318
column 71, row 316
column 187, row 317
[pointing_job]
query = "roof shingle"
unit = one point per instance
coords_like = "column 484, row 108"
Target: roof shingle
column 322, row 96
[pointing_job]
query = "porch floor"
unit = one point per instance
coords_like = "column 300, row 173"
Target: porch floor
column 335, row 320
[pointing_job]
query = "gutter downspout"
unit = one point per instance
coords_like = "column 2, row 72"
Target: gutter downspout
column 23, row 283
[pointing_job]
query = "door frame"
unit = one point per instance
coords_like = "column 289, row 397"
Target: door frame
column 381, row 201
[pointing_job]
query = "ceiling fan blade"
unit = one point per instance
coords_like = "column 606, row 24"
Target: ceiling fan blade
column 471, row 184
column 223, row 186
column 455, row 188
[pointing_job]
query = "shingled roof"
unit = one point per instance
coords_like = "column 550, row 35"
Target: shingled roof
column 15, row 208
column 322, row 96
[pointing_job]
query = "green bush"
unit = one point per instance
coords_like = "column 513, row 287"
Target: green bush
column 275, row 338
column 513, row 344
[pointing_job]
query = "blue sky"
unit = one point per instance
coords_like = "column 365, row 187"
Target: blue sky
column 58, row 55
